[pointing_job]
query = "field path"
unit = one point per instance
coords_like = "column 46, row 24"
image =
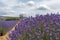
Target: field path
column 5, row 37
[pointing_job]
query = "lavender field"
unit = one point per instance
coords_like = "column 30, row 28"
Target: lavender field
column 5, row 26
column 29, row 19
column 40, row 27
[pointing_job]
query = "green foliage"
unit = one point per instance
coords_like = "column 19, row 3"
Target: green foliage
column 25, row 37
column 11, row 18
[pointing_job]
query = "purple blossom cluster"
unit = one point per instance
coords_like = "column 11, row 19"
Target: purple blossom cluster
column 43, row 27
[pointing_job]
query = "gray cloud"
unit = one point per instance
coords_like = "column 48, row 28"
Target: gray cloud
column 42, row 8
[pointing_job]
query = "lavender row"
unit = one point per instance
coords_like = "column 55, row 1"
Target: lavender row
column 43, row 27
column 10, row 24
column 5, row 26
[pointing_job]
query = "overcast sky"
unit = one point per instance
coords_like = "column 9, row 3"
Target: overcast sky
column 28, row 7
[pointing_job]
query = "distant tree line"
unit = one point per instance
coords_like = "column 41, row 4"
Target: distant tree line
column 21, row 16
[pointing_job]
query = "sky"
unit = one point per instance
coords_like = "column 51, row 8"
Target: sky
column 28, row 7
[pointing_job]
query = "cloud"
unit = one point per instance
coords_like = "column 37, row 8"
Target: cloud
column 28, row 7
column 30, row 3
column 54, row 4
column 31, row 0
column 2, row 13
column 43, row 7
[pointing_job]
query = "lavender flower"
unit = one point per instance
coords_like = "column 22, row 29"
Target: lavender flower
column 43, row 27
